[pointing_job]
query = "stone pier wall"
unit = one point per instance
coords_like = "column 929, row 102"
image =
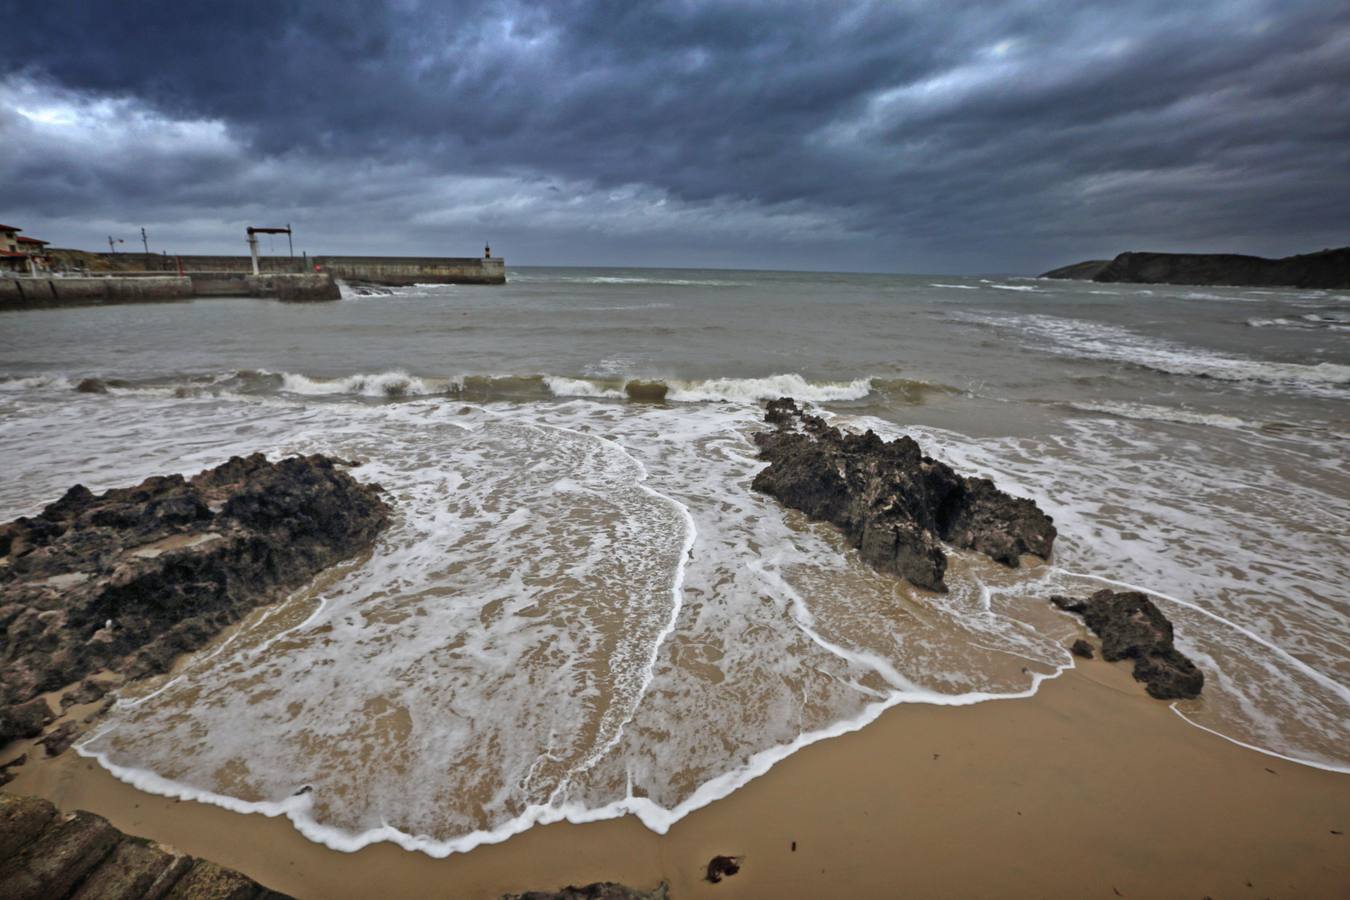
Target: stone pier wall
column 28, row 293
column 389, row 270
column 37, row 293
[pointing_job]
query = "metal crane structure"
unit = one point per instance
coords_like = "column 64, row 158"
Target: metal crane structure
column 253, row 232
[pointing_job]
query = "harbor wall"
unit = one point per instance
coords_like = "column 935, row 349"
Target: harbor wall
column 37, row 293
column 29, row 293
column 388, row 270
column 406, row 270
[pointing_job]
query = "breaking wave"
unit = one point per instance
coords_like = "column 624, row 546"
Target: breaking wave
column 1335, row 321
column 1152, row 413
column 396, row 384
column 1097, row 340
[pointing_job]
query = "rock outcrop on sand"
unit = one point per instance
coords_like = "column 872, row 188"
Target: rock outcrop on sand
column 45, row 855
column 1132, row 627
column 1325, row 269
column 893, row 503
column 127, row 580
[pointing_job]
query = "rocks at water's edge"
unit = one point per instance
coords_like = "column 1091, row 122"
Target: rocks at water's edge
column 45, row 855
column 894, row 504
column 1081, row 649
column 600, row 890
column 1132, row 627
column 127, row 580
column 1325, row 269
column 24, row 720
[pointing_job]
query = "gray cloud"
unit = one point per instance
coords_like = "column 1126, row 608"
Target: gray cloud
column 892, row 136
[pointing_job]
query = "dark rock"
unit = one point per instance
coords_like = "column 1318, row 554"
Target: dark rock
column 129, row 579
column 92, row 386
column 103, row 707
column 646, row 391
column 22, row 819
column 88, row 691
column 23, row 720
column 601, row 890
column 208, row 881
column 59, row 739
column 1325, row 269
column 894, row 504
column 129, row 872
column 6, row 770
column 1081, row 648
column 720, row 867
column 46, row 855
column 1132, row 627
column 58, row 859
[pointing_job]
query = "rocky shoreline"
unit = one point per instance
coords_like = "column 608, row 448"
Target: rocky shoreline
column 45, row 855
column 127, row 580
column 99, row 589
column 894, row 504
column 897, row 507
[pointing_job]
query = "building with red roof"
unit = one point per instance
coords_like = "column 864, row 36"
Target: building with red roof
column 21, row 254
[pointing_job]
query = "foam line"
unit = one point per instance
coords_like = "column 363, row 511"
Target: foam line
column 1329, row 767
column 655, row 817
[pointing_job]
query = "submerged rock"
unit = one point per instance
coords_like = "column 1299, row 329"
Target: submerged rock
column 48, row 856
column 894, row 504
column 646, row 391
column 1132, row 627
column 129, row 579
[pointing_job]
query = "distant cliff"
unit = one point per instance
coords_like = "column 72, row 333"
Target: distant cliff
column 1324, row 269
column 1083, row 271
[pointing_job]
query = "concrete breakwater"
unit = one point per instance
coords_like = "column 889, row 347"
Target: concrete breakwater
column 386, row 270
column 33, row 293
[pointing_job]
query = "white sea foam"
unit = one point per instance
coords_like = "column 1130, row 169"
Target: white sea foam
column 539, row 278
column 581, row 387
column 380, row 384
column 530, row 537
column 753, row 390
column 36, row 382
column 1254, row 606
column 1228, row 298
column 963, row 287
column 1157, row 413
column 1098, row 340
column 1308, row 322
column 462, row 484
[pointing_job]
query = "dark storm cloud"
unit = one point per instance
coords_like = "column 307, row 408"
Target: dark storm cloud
column 917, row 136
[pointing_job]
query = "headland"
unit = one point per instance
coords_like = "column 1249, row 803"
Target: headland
column 1323, row 270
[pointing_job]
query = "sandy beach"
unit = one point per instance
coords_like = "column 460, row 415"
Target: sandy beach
column 1089, row 789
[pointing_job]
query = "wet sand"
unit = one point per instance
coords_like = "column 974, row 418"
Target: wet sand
column 1089, row 789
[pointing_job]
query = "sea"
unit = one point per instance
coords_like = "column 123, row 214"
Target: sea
column 582, row 610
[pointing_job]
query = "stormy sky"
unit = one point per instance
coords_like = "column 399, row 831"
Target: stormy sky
column 867, row 136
